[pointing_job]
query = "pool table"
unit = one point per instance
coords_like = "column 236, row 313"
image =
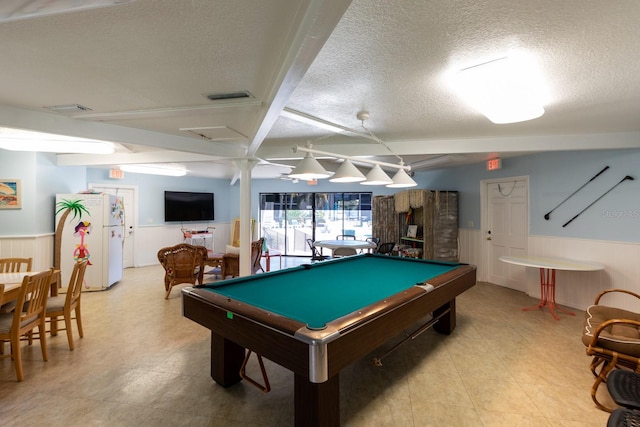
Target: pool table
column 317, row 319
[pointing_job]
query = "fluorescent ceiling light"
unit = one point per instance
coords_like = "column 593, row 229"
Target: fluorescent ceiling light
column 402, row 180
column 347, row 172
column 377, row 176
column 24, row 140
column 309, row 168
column 505, row 90
column 23, row 9
column 168, row 170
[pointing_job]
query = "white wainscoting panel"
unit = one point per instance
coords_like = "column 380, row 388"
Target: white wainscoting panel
column 39, row 248
column 151, row 239
column 573, row 289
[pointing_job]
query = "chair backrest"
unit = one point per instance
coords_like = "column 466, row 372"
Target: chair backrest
column 15, row 265
column 74, row 291
column 338, row 252
column 231, row 262
column 256, row 254
column 385, row 248
column 314, row 250
column 183, row 263
column 374, row 240
column 345, row 237
column 32, row 298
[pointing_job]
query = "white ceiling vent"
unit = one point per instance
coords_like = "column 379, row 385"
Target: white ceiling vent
column 245, row 94
column 68, row 109
column 216, row 133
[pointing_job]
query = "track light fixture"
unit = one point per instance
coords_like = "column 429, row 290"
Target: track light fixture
column 375, row 177
column 309, row 168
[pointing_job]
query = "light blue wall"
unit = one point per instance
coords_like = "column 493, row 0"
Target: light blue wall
column 552, row 178
column 152, row 187
column 41, row 180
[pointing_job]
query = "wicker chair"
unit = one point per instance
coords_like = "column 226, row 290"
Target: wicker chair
column 231, row 262
column 182, row 263
column 612, row 338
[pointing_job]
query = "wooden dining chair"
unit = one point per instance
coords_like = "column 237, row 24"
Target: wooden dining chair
column 65, row 306
column 13, row 265
column 28, row 315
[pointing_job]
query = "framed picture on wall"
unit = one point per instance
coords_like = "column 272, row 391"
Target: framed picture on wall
column 412, row 231
column 10, row 194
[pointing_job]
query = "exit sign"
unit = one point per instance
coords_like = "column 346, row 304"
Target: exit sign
column 494, row 164
column 116, row 173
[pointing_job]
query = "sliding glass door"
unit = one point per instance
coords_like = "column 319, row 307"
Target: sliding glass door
column 287, row 220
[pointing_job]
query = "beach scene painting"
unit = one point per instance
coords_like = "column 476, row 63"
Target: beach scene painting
column 10, row 197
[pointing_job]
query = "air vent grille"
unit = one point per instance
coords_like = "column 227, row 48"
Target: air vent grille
column 70, row 108
column 245, row 94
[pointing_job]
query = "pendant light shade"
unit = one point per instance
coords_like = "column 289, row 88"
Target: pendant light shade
column 347, row 172
column 309, row 168
column 402, row 180
column 377, row 176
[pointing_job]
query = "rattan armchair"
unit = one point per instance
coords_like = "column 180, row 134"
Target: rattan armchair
column 182, row 263
column 612, row 338
column 231, row 262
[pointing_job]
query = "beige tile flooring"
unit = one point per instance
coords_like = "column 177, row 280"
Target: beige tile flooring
column 142, row 364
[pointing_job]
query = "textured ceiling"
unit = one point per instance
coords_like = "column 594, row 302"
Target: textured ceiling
column 145, row 69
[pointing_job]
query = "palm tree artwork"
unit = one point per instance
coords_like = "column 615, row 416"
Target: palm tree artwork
column 68, row 207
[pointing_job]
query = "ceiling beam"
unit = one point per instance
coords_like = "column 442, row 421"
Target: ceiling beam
column 317, row 20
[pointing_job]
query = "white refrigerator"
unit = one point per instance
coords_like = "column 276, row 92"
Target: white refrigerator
column 97, row 235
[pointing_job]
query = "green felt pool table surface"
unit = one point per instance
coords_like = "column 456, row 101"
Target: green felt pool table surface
column 319, row 293
column 317, row 319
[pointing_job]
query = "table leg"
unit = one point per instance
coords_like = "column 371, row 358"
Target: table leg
column 316, row 404
column 268, row 262
column 226, row 360
column 548, row 294
column 447, row 323
column 56, row 282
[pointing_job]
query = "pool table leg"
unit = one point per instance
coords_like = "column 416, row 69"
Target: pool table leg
column 317, row 404
column 226, row 360
column 447, row 323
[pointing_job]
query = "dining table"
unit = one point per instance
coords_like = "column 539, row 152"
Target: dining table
column 348, row 243
column 13, row 281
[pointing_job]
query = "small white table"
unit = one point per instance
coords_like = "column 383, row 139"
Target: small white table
column 335, row 244
column 548, row 267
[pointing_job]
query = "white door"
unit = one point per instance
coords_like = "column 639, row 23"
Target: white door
column 129, row 194
column 506, row 229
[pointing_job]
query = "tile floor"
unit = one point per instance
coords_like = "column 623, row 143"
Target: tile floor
column 142, row 364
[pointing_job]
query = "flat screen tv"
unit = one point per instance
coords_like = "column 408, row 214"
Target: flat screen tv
column 188, row 206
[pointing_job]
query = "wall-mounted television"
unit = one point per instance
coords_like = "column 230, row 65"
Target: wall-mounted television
column 188, row 206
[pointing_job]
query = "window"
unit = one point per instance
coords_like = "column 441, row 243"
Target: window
column 287, row 220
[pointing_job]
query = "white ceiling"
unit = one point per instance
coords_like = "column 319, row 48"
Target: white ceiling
column 145, row 68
